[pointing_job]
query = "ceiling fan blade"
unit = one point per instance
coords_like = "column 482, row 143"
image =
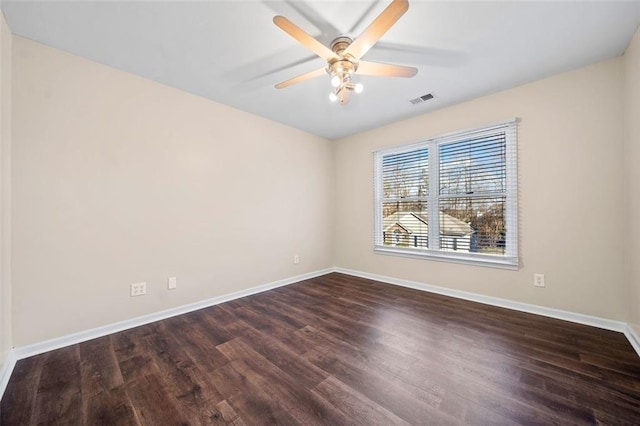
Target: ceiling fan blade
column 378, row 27
column 311, row 43
column 301, row 78
column 385, row 70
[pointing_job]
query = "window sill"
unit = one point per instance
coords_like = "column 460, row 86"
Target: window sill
column 475, row 259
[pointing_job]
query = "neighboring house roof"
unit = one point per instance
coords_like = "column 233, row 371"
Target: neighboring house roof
column 416, row 223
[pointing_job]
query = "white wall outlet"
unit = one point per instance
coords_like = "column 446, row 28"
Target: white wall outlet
column 538, row 280
column 172, row 283
column 296, row 259
column 138, row 289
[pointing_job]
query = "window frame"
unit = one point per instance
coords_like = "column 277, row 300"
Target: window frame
column 510, row 259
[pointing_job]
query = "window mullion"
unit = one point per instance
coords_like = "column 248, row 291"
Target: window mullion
column 433, row 206
column 377, row 190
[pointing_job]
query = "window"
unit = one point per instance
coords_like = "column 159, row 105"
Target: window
column 451, row 198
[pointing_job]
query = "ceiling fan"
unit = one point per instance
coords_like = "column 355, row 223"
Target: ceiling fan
column 343, row 58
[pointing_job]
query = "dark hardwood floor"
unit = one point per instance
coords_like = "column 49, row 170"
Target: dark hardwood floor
column 335, row 350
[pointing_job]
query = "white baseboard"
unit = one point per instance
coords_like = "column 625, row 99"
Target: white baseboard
column 604, row 323
column 82, row 336
column 6, row 370
column 633, row 338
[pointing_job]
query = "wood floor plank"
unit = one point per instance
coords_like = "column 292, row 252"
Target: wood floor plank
column 190, row 388
column 196, row 340
column 99, row 366
column 572, row 391
column 18, row 402
column 276, row 352
column 253, row 403
column 355, row 405
column 336, row 350
column 59, row 393
column 153, row 404
column 385, row 391
column 229, row 415
column 108, row 407
column 303, row 406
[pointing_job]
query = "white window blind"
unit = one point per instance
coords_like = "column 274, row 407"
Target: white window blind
column 451, row 198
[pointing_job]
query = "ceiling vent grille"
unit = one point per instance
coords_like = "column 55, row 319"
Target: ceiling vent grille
column 422, row 98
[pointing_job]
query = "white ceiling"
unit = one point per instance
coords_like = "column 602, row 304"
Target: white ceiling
column 231, row 52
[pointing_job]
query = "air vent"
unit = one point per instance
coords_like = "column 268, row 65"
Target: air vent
column 422, row 98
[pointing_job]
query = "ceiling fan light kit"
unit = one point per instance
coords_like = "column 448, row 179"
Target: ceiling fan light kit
column 341, row 69
column 343, row 59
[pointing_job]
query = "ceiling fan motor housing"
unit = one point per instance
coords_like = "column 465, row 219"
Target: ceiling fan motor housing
column 341, row 65
column 340, row 44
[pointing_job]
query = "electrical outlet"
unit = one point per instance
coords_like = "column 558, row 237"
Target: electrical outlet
column 138, row 289
column 172, row 283
column 538, row 280
column 296, row 259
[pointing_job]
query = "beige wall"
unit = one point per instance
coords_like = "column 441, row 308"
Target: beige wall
column 570, row 200
column 632, row 174
column 5, row 190
column 117, row 179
